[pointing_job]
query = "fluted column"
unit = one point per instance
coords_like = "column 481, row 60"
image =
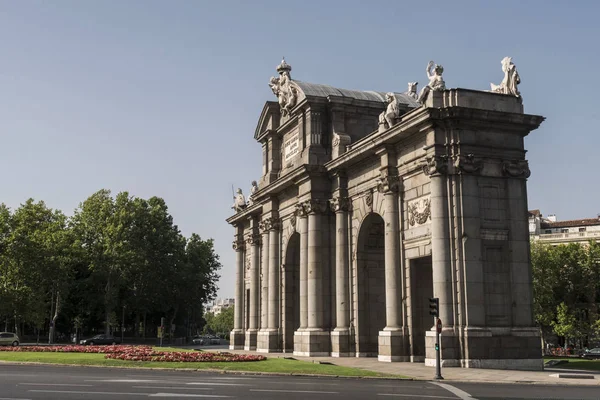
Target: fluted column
column 238, row 310
column 303, row 228
column 254, row 241
column 314, row 209
column 389, row 186
column 264, row 274
column 340, row 206
column 436, row 168
column 274, row 256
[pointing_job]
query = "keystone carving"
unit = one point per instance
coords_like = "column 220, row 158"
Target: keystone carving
column 293, row 219
column 516, row 168
column 467, row 164
column 436, row 165
column 339, row 203
column 369, row 200
column 390, row 183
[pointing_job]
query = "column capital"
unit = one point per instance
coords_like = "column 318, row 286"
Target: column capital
column 238, row 245
column 516, row 168
column 315, row 206
column 254, row 239
column 436, row 165
column 389, row 184
column 270, row 224
column 467, row 164
column 339, row 204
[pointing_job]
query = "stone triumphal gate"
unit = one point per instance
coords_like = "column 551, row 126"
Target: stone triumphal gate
column 371, row 203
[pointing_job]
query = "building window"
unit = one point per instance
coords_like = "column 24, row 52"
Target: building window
column 548, row 231
column 565, row 230
column 581, row 229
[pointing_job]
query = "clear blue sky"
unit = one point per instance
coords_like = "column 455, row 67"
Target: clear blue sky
column 162, row 97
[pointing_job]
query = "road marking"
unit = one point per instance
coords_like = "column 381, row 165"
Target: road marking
column 170, row 387
column 13, row 398
column 456, row 391
column 56, row 384
column 78, row 392
column 216, row 384
column 291, row 391
column 213, row 396
column 126, row 380
column 415, row 395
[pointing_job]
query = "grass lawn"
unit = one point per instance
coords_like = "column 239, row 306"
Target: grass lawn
column 278, row 365
column 576, row 363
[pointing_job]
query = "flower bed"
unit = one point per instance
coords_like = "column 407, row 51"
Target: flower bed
column 141, row 353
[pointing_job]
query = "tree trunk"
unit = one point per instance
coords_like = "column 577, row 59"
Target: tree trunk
column 53, row 319
column 144, row 331
column 107, row 307
column 137, row 325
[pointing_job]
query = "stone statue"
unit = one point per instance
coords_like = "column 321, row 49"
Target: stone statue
column 239, row 201
column 253, row 190
column 392, row 112
column 510, row 81
column 436, row 82
column 282, row 88
column 412, row 90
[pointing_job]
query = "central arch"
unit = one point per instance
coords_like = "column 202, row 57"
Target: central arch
column 291, row 292
column 370, row 258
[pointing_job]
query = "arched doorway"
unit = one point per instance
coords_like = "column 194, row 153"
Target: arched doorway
column 370, row 258
column 291, row 292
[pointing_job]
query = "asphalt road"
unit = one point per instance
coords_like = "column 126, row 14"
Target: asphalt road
column 21, row 382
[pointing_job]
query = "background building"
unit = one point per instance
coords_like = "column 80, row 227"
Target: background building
column 219, row 305
column 549, row 229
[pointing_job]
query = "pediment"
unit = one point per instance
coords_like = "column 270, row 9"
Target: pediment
column 269, row 118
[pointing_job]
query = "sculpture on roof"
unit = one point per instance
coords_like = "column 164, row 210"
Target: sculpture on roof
column 253, row 190
column 510, row 81
column 436, row 82
column 282, row 88
column 412, row 90
column 239, row 201
column 392, row 112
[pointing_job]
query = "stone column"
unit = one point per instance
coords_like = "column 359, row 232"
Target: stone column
column 340, row 337
column 237, row 335
column 440, row 238
column 269, row 336
column 251, row 334
column 264, row 275
column 303, row 231
column 392, row 338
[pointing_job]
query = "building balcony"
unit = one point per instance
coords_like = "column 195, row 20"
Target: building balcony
column 568, row 237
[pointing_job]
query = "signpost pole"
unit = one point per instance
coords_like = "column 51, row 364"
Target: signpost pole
column 438, row 362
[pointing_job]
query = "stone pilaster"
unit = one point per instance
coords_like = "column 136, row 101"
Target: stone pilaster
column 392, row 340
column 340, row 337
column 254, row 241
column 237, row 336
column 264, row 275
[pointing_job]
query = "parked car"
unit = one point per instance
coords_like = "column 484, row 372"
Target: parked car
column 206, row 340
column 592, row 354
column 100, row 339
column 9, row 339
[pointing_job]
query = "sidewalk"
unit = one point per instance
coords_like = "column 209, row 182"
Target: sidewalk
column 421, row 372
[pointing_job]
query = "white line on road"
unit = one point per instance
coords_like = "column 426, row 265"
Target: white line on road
column 214, row 396
column 171, row 387
column 456, row 391
column 13, row 398
column 56, row 384
column 291, row 391
column 126, row 380
column 415, row 395
column 78, row 392
column 216, row 384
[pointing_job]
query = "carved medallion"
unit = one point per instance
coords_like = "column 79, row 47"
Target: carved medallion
column 419, row 211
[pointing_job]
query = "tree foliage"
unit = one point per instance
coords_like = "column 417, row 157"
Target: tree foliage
column 115, row 258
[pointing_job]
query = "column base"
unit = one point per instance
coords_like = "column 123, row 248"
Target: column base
column 493, row 348
column 250, row 342
column 268, row 342
column 393, row 346
column 237, row 340
column 312, row 343
column 340, row 344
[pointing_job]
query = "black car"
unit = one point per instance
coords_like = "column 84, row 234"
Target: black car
column 100, row 339
column 592, row 354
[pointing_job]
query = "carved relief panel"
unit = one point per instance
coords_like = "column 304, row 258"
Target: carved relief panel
column 419, row 211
